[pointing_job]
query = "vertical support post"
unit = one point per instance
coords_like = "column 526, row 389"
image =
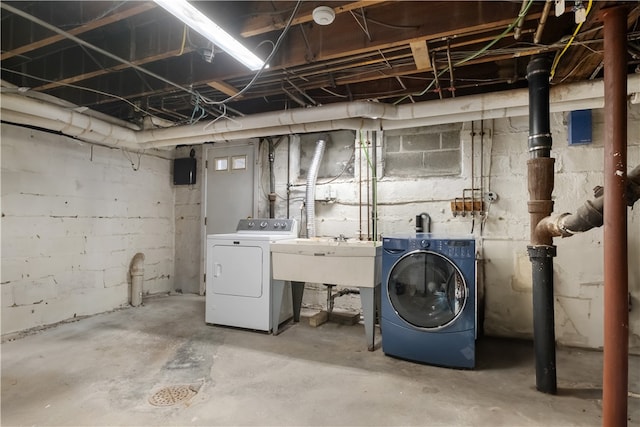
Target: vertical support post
column 616, row 316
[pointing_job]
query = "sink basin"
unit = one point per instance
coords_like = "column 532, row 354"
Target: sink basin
column 329, row 247
column 326, row 260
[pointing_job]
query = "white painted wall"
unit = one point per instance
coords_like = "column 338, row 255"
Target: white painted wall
column 189, row 227
column 578, row 269
column 73, row 217
column 75, row 214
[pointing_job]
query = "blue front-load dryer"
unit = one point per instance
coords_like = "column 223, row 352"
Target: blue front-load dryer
column 429, row 305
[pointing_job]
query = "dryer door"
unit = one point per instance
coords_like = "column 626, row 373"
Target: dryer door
column 426, row 289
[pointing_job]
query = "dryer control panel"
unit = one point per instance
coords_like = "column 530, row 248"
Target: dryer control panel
column 267, row 225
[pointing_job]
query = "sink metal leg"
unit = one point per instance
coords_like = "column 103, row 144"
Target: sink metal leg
column 367, row 299
column 297, row 291
column 276, row 304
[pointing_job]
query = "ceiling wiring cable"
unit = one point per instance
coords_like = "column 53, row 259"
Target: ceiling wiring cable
column 184, row 40
column 97, row 18
column 266, row 62
column 88, row 89
column 575, row 32
column 521, row 15
column 89, row 45
column 578, row 65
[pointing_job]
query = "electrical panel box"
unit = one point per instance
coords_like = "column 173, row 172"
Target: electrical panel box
column 184, row 171
column 579, row 123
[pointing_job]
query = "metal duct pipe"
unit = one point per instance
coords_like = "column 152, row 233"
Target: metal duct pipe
column 590, row 214
column 312, row 176
column 541, row 251
column 616, row 268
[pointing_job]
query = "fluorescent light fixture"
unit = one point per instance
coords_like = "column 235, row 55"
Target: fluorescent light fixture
column 195, row 19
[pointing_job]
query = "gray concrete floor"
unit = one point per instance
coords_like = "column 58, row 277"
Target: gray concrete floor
column 102, row 370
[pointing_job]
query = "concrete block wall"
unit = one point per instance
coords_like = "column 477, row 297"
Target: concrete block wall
column 73, row 217
column 189, row 226
column 578, row 268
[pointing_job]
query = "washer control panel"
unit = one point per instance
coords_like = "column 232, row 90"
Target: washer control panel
column 267, row 225
column 454, row 248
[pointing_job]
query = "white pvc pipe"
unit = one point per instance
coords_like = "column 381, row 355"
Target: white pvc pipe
column 355, row 124
column 137, row 278
column 355, row 115
column 90, row 128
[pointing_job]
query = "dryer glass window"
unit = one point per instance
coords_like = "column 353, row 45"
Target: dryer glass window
column 426, row 289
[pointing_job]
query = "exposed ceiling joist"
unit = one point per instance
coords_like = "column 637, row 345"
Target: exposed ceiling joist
column 420, row 52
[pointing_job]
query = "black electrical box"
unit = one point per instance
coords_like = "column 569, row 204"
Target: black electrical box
column 184, row 171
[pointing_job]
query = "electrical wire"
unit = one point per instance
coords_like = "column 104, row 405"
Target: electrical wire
column 521, row 15
column 184, row 40
column 99, row 92
column 266, row 62
column 133, row 165
column 346, row 166
column 575, row 32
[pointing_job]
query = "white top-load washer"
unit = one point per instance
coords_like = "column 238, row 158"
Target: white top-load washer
column 239, row 289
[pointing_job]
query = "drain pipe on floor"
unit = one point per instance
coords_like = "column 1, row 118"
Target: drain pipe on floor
column 137, row 277
column 541, row 250
column 312, row 176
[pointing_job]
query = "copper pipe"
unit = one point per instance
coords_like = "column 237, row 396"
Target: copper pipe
column 616, row 269
column 543, row 21
column 518, row 30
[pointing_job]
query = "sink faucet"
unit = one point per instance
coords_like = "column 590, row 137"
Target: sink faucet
column 340, row 238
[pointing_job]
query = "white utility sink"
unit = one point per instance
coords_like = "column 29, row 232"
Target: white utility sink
column 327, row 260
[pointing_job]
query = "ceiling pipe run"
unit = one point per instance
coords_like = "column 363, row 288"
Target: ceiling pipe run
column 359, row 115
column 616, row 268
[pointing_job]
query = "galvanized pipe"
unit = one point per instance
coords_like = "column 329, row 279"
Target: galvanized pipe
column 616, row 269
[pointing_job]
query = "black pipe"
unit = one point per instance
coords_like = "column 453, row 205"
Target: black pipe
column 539, row 127
column 421, row 220
column 543, row 317
column 541, row 250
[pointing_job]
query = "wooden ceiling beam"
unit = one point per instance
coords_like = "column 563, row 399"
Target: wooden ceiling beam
column 92, row 25
column 420, row 52
column 265, row 23
column 346, row 39
column 223, row 87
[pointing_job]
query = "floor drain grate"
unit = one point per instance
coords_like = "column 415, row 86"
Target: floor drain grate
column 171, row 395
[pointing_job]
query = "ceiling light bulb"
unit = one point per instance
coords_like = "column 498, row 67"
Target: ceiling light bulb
column 323, row 15
column 195, row 19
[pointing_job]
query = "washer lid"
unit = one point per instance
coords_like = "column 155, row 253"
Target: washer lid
column 427, row 290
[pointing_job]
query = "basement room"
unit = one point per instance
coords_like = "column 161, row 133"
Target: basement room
column 320, row 213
